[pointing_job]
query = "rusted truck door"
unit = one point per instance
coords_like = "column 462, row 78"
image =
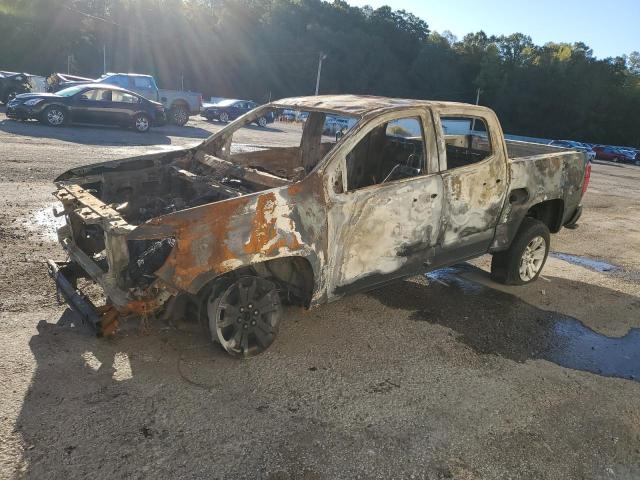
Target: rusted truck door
column 385, row 202
column 473, row 166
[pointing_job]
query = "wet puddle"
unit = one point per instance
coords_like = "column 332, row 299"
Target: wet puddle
column 589, row 263
column 498, row 323
column 43, row 221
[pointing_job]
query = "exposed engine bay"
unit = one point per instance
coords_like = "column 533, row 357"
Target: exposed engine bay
column 185, row 182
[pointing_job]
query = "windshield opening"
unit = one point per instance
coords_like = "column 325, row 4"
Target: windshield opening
column 287, row 143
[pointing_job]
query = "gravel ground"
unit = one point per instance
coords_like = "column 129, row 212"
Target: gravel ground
column 437, row 377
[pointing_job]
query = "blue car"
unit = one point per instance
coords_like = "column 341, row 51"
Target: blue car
column 230, row 109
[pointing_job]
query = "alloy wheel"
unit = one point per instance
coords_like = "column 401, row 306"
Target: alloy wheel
column 532, row 258
column 55, row 116
column 246, row 317
column 142, row 123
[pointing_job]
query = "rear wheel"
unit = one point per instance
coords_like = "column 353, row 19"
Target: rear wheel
column 141, row 123
column 54, row 116
column 525, row 258
column 262, row 122
column 245, row 316
column 179, row 115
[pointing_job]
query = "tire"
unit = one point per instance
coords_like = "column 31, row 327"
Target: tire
column 54, row 116
column 615, row 159
column 141, row 123
column 179, row 115
column 243, row 315
column 262, row 122
column 524, row 260
column 223, row 117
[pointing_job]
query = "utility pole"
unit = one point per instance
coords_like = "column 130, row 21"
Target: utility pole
column 104, row 44
column 322, row 57
column 473, row 122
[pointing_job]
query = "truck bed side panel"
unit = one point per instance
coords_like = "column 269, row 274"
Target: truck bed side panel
column 537, row 179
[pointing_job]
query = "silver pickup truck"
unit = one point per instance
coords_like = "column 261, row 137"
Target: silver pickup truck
column 226, row 231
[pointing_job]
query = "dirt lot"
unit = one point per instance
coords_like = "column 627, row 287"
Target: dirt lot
column 441, row 376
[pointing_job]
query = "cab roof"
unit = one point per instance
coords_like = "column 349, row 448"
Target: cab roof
column 356, row 105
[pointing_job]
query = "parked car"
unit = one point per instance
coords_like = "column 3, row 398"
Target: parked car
column 12, row 84
column 614, row 154
column 179, row 104
column 92, row 103
column 230, row 109
column 228, row 234
column 576, row 146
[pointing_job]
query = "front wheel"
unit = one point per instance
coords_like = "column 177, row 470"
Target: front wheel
column 54, row 116
column 224, row 117
column 262, row 122
column 523, row 261
column 244, row 317
column 141, row 123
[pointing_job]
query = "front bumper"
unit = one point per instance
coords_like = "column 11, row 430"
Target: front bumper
column 19, row 112
column 104, row 321
column 124, row 301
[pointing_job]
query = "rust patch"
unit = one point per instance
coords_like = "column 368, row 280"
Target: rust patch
column 214, row 226
column 265, row 236
column 295, row 189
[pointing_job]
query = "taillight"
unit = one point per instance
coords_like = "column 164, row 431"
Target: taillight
column 587, row 177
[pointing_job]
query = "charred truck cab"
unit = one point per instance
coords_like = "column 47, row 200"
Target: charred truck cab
column 230, row 229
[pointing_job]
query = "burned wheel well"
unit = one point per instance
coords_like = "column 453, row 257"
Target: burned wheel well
column 293, row 275
column 549, row 212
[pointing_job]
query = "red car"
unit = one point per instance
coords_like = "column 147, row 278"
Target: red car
column 614, row 154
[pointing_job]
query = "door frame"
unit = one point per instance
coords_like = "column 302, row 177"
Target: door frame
column 334, row 175
column 494, row 172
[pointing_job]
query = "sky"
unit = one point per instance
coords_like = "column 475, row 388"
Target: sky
column 610, row 28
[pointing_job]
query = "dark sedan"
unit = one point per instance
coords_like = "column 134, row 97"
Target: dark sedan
column 228, row 110
column 92, row 103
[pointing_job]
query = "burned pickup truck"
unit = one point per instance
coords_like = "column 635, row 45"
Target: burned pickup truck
column 227, row 231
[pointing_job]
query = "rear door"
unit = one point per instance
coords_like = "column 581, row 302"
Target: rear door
column 473, row 167
column 125, row 105
column 385, row 202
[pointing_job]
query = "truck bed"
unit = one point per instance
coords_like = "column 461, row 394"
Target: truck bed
column 517, row 149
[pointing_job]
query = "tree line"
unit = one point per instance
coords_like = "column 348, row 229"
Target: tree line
column 267, row 49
